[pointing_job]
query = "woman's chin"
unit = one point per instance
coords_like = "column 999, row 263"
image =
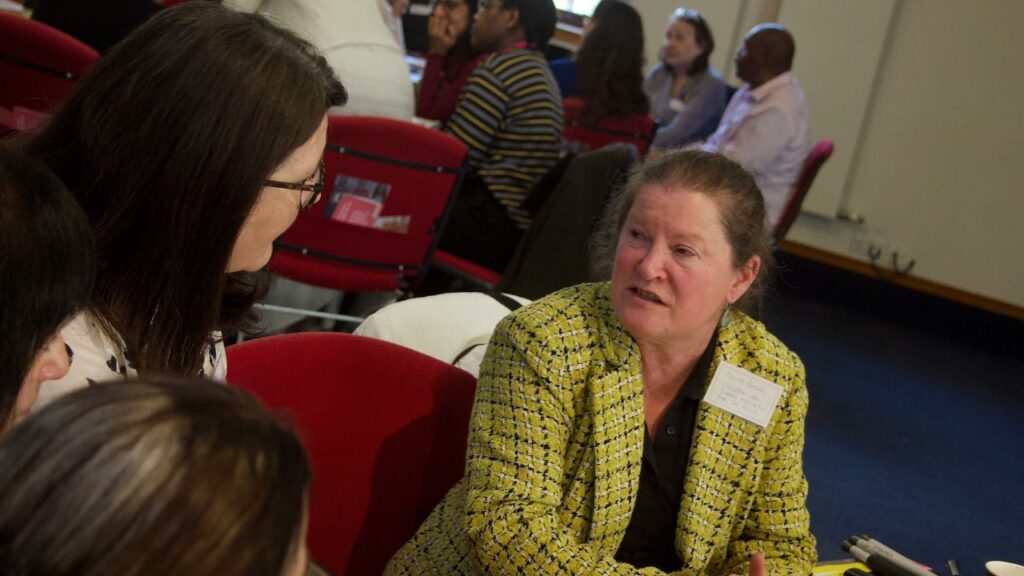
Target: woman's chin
column 253, row 265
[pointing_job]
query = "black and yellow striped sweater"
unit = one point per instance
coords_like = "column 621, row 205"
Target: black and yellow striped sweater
column 510, row 116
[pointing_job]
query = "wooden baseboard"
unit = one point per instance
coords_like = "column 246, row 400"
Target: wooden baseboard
column 907, row 281
column 568, row 35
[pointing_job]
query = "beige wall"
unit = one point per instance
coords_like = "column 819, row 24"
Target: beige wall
column 938, row 170
column 935, row 168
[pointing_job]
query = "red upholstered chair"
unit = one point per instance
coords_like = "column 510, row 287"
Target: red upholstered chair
column 38, row 64
column 385, row 428
column 471, row 272
column 578, row 136
column 819, row 153
column 421, row 170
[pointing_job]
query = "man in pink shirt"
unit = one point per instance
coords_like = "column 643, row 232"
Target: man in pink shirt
column 766, row 126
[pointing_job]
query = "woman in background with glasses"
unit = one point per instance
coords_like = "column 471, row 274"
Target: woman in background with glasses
column 687, row 95
column 191, row 146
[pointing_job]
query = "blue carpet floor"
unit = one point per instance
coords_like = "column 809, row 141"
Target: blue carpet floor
column 912, row 438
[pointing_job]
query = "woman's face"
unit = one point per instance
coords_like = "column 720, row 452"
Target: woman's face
column 50, row 363
column 456, row 12
column 277, row 208
column 681, row 47
column 673, row 272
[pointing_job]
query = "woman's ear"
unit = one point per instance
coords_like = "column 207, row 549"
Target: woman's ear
column 744, row 277
column 511, row 19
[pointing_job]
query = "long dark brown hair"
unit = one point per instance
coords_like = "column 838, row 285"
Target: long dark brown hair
column 609, row 64
column 158, row 477
column 165, row 144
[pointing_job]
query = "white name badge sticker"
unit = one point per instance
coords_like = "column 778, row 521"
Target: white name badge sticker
column 421, row 9
column 744, row 394
column 676, row 105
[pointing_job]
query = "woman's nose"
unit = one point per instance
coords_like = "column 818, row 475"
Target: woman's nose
column 652, row 265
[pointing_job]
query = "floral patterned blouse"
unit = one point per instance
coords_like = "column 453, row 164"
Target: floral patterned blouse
column 95, row 357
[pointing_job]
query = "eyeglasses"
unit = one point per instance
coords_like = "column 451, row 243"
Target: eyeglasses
column 316, row 188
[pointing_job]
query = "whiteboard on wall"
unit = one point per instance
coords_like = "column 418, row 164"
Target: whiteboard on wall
column 839, row 45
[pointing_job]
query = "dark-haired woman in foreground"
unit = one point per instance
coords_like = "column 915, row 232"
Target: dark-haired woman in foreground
column 599, row 442
column 191, row 146
column 153, row 478
column 47, row 265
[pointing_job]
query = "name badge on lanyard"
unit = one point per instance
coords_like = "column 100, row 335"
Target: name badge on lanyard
column 743, row 393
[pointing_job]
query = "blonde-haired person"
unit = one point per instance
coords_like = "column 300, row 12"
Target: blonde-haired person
column 596, row 445
column 153, row 478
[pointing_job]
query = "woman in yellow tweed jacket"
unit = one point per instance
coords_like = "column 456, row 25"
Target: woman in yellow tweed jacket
column 575, row 386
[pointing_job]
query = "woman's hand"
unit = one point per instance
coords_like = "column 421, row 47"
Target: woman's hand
column 441, row 32
column 756, row 565
column 398, row 8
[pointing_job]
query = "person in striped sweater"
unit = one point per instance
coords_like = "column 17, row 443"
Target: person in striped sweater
column 509, row 115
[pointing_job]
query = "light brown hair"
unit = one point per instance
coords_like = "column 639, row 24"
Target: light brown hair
column 739, row 201
column 151, row 478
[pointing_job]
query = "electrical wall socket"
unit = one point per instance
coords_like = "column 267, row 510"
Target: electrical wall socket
column 864, row 245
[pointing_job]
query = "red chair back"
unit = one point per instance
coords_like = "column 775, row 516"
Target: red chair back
column 385, row 427
column 821, row 152
column 578, row 136
column 38, row 64
column 420, row 168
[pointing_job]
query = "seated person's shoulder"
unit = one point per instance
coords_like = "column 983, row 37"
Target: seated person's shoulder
column 572, row 311
column 558, row 336
column 93, row 357
column 749, row 337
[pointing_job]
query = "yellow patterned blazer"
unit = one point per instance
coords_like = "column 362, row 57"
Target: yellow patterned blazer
column 555, row 447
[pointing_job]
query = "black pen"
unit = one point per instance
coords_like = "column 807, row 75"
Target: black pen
column 879, row 564
column 872, row 546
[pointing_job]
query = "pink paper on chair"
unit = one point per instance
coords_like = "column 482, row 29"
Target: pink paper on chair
column 23, row 119
column 357, row 210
